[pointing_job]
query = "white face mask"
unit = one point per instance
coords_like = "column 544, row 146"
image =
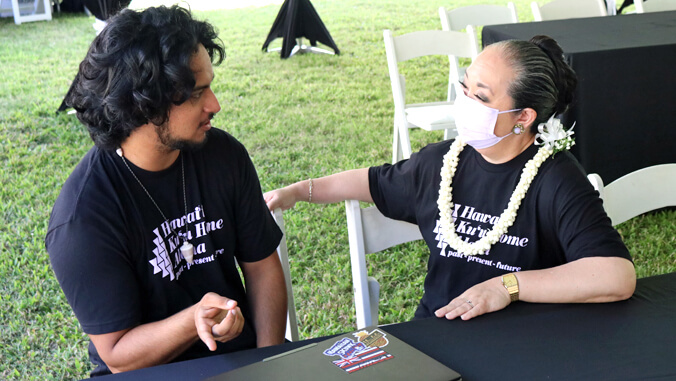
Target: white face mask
column 476, row 122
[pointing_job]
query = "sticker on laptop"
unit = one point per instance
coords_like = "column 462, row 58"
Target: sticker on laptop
column 362, row 353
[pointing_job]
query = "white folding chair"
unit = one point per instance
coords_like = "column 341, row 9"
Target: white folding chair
column 568, row 9
column 370, row 232
column 654, row 6
column 26, row 10
column 458, row 19
column 475, row 16
column 428, row 116
column 637, row 192
column 282, row 251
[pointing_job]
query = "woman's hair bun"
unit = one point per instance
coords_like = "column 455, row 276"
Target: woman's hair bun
column 565, row 78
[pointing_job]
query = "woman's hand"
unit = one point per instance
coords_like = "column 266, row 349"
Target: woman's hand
column 283, row 198
column 485, row 297
column 217, row 319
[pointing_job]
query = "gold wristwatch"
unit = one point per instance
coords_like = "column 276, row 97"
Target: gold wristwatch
column 512, row 285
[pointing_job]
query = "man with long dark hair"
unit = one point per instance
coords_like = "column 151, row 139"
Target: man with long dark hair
column 146, row 230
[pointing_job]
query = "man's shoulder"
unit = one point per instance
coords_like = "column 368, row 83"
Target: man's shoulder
column 221, row 145
column 220, row 139
column 88, row 182
column 91, row 165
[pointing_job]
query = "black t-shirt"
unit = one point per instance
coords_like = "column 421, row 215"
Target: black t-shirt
column 117, row 259
column 561, row 219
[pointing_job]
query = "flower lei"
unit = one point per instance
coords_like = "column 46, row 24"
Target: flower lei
column 552, row 137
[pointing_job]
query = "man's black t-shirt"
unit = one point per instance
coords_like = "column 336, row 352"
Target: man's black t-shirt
column 117, row 259
column 561, row 219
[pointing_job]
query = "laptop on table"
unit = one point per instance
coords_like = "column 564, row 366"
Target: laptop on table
column 368, row 354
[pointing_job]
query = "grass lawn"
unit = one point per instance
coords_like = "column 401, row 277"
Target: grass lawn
column 307, row 116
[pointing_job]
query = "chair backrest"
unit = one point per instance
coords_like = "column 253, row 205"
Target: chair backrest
column 637, row 192
column 655, row 6
column 425, row 43
column 282, row 251
column 477, row 15
column 371, row 232
column 568, row 9
column 474, row 16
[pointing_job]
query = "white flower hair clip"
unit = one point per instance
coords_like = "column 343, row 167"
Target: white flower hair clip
column 554, row 136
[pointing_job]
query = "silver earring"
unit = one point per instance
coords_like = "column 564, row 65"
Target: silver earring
column 517, row 129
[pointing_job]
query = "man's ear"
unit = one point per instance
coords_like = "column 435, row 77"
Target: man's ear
column 527, row 117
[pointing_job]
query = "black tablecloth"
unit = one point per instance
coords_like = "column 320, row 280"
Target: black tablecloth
column 631, row 340
column 628, row 340
column 626, row 67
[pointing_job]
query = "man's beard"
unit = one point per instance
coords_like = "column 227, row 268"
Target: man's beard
column 171, row 143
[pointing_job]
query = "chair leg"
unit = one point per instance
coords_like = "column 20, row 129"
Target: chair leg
column 374, row 299
column 404, row 141
column 362, row 302
column 396, row 144
column 450, row 133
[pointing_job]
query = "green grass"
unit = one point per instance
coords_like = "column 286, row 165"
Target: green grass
column 307, row 116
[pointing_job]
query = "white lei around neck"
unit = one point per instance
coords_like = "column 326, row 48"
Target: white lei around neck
column 507, row 217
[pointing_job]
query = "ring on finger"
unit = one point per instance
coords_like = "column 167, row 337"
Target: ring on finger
column 470, row 303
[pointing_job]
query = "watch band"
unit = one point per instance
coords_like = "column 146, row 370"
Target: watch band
column 511, row 283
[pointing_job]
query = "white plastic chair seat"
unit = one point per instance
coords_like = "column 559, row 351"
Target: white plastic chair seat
column 431, row 116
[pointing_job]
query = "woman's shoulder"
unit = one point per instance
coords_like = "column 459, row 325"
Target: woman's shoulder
column 563, row 164
column 437, row 149
column 433, row 152
column 561, row 175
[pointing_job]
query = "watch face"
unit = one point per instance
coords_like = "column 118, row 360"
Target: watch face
column 509, row 280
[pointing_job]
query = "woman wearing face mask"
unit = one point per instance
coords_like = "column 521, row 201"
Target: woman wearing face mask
column 504, row 216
